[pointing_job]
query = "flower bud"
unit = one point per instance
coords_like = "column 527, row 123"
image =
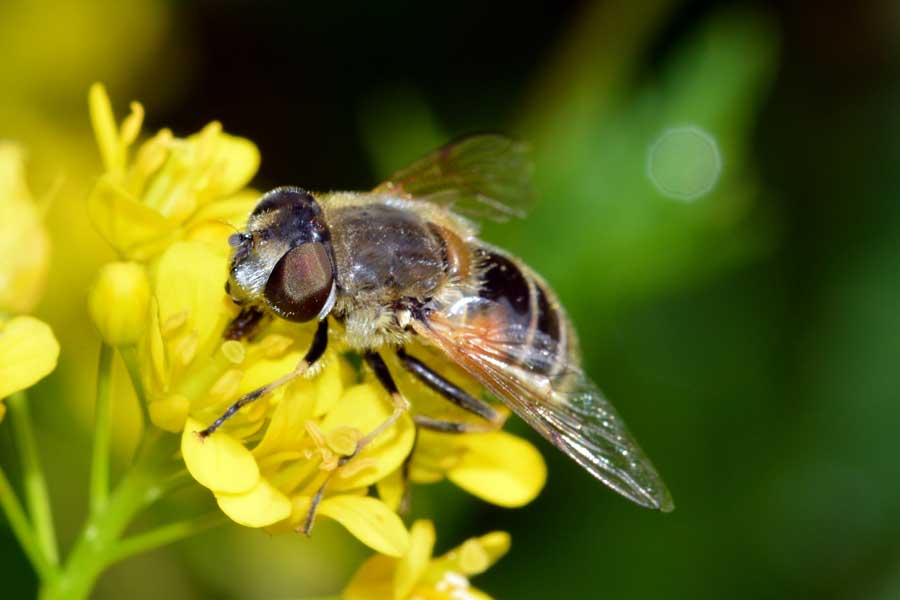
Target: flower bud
column 118, row 302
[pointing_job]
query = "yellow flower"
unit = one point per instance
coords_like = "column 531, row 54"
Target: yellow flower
column 171, row 188
column 498, row 467
column 28, row 353
column 118, row 302
column 418, row 576
column 24, row 243
column 266, row 463
column 28, row 348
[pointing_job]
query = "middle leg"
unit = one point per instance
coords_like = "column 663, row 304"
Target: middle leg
column 400, row 406
column 454, row 394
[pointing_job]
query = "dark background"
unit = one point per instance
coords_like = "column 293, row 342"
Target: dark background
column 751, row 337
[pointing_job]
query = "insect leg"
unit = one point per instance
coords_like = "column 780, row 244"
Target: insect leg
column 244, row 325
column 319, row 344
column 453, row 426
column 454, row 394
column 401, row 405
column 406, row 498
column 439, row 425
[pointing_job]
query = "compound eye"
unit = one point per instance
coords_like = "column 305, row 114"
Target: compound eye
column 300, row 284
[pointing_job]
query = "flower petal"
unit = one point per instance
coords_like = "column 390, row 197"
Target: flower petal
column 130, row 226
column 364, row 407
column 189, row 281
column 286, row 429
column 28, row 353
column 218, row 462
column 329, row 383
column 231, row 211
column 391, row 489
column 412, row 565
column 495, row 545
column 373, row 581
column 500, row 468
column 232, row 162
column 370, row 520
column 111, row 150
column 472, row 557
column 170, row 412
column 263, row 505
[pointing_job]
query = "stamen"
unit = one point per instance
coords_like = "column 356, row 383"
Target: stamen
column 330, row 460
column 227, row 385
column 186, row 349
column 316, row 433
column 234, row 351
column 274, row 345
column 356, row 465
column 173, row 323
column 343, row 440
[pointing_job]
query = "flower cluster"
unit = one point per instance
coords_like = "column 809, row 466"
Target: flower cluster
column 28, row 348
column 172, row 188
column 418, row 576
column 168, row 211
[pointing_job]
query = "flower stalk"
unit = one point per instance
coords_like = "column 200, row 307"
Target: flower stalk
column 21, row 528
column 164, row 535
column 36, row 495
column 98, row 546
column 129, row 357
column 99, row 490
column 154, row 473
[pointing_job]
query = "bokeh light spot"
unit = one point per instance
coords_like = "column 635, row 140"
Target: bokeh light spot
column 684, row 163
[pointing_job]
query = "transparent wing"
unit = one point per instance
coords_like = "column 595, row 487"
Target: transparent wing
column 484, row 176
column 513, row 362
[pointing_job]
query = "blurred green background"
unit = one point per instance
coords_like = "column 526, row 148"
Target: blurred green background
column 719, row 210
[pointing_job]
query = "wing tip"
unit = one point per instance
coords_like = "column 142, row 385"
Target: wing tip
column 659, row 499
column 666, row 505
column 652, row 497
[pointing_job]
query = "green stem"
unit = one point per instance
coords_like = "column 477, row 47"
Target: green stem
column 129, row 357
column 18, row 522
column 139, row 488
column 99, row 486
column 166, row 534
column 36, row 496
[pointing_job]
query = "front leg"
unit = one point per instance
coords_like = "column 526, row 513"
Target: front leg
column 315, row 352
column 245, row 324
column 456, row 395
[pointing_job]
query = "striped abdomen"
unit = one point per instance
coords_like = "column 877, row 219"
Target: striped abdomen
column 522, row 312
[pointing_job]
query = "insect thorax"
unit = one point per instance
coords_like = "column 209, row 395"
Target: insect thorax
column 387, row 256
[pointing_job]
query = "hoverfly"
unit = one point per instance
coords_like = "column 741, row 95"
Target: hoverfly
column 400, row 264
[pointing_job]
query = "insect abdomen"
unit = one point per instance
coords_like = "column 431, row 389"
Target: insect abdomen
column 526, row 310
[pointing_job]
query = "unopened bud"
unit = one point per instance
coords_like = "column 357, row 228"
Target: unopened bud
column 118, row 302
